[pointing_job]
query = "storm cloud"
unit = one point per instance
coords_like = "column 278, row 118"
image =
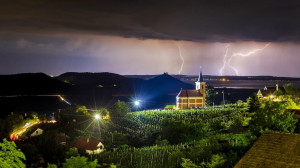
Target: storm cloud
column 142, row 36
column 191, row 20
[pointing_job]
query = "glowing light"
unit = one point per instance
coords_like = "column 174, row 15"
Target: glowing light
column 238, row 54
column 137, row 103
column 62, row 99
column 271, row 96
column 97, row 116
column 179, row 48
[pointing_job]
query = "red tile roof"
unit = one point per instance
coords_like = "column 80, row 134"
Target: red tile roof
column 83, row 144
column 190, row 93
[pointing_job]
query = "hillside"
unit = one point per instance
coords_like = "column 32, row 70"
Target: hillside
column 155, row 92
column 19, row 92
column 31, row 84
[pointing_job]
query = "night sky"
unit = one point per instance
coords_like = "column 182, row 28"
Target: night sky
column 151, row 37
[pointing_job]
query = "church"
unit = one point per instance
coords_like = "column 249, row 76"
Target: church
column 192, row 98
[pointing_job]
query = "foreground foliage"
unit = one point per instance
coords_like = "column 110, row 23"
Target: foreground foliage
column 10, row 156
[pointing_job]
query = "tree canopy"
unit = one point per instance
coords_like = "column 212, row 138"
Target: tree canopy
column 119, row 109
column 10, row 156
column 271, row 116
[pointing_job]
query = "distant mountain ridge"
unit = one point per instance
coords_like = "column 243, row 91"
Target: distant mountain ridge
column 89, row 89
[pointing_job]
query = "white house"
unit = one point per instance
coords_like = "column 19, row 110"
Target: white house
column 37, row 132
column 90, row 146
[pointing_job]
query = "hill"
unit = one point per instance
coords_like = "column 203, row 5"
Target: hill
column 31, row 84
column 155, row 92
column 20, row 92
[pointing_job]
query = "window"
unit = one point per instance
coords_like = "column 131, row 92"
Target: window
column 199, row 100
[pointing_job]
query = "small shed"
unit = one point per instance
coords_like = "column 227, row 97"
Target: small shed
column 170, row 107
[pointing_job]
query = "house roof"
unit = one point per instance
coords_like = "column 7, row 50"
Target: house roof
column 33, row 131
column 269, row 90
column 273, row 149
column 87, row 145
column 190, row 93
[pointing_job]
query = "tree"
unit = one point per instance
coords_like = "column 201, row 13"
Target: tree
column 175, row 158
column 253, row 103
column 79, row 162
column 210, row 95
column 119, row 109
column 187, row 163
column 34, row 116
column 181, row 131
column 278, row 93
column 51, row 165
column 271, row 117
column 14, row 122
column 72, row 152
column 239, row 103
column 217, row 161
column 103, row 111
column 83, row 110
column 10, row 156
column 290, row 89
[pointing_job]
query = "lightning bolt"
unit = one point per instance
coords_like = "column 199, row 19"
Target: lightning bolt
column 224, row 60
column 238, row 54
column 180, row 54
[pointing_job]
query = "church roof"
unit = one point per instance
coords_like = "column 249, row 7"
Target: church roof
column 190, row 93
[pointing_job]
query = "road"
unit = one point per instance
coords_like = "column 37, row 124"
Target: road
column 15, row 135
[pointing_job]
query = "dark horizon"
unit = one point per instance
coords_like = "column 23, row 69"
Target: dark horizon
column 188, row 75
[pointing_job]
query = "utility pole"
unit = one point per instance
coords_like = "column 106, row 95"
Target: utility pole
column 223, row 98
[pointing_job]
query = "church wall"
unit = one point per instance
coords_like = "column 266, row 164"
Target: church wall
column 193, row 102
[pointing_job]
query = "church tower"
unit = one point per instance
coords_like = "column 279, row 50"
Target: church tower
column 194, row 98
column 200, row 84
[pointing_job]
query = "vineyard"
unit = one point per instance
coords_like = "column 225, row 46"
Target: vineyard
column 143, row 123
column 219, row 137
column 205, row 137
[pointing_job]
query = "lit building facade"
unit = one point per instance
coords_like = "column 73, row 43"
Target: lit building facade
column 192, row 98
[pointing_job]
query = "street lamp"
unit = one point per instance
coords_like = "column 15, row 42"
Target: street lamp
column 97, row 116
column 271, row 97
column 137, row 103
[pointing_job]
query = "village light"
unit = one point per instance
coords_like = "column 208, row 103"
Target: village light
column 97, row 116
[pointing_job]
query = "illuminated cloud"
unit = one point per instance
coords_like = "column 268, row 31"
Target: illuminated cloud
column 137, row 37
